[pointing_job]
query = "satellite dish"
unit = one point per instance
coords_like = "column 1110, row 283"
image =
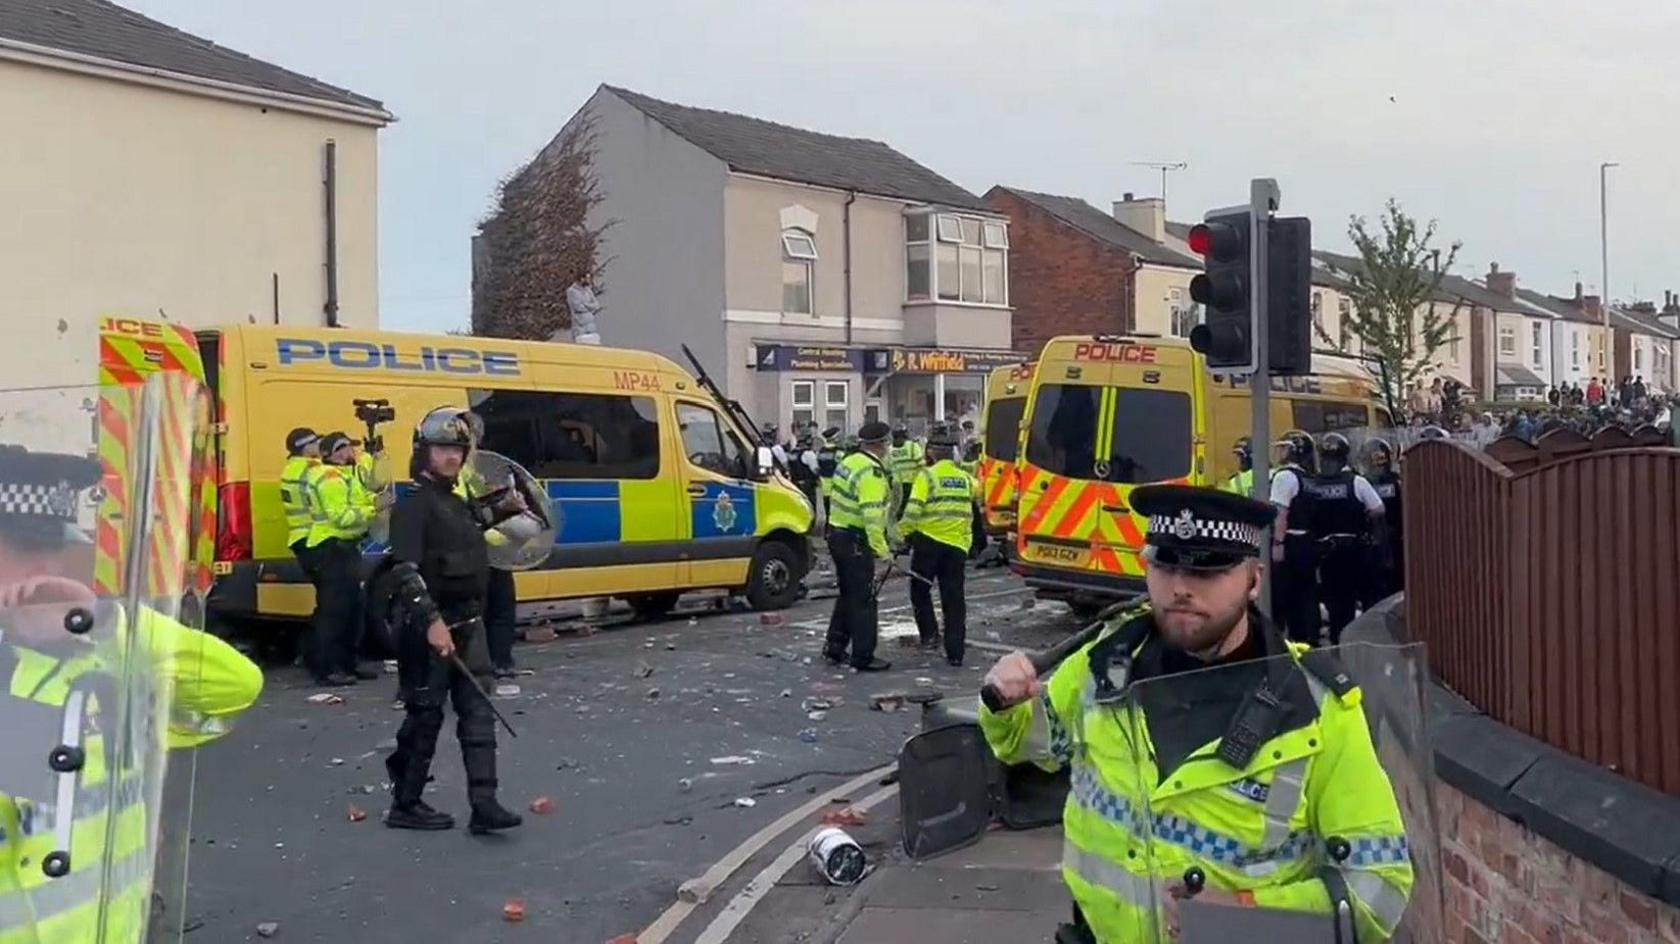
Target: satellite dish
column 524, row 540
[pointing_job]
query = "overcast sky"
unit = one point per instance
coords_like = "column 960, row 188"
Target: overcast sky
column 1490, row 115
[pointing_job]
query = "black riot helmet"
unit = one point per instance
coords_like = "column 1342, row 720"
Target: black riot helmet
column 1243, row 449
column 900, row 433
column 1379, row 454
column 445, row 426
column 1297, row 447
column 1333, row 451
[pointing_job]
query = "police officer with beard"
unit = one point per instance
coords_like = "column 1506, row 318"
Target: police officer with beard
column 1387, row 566
column 1345, row 510
column 1294, row 553
column 442, row 566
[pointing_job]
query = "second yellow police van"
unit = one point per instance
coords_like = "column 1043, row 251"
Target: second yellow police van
column 658, row 482
column 1006, row 403
column 1108, row 413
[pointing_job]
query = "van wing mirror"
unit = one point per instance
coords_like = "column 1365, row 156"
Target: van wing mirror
column 765, row 462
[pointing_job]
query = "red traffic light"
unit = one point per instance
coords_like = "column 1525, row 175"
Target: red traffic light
column 1217, row 240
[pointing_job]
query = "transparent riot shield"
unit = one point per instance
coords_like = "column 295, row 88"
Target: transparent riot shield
column 83, row 747
column 1257, row 778
column 172, row 690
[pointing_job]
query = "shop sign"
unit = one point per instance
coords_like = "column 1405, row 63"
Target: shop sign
column 795, row 357
column 910, row 360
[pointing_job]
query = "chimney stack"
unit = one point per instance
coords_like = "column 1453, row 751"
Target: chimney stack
column 1147, row 216
column 1591, row 304
column 1577, row 293
column 1505, row 283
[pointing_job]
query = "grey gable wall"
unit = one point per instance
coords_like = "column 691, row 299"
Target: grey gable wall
column 662, row 282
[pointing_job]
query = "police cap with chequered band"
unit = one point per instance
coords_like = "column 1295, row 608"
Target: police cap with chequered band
column 39, row 494
column 1200, row 528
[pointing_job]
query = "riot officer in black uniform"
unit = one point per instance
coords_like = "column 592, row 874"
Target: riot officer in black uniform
column 1294, row 553
column 1345, row 512
column 1387, row 564
column 828, row 459
column 437, row 578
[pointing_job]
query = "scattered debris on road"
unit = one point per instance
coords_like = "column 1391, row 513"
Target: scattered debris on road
column 354, row 813
column 513, row 911
column 808, row 735
column 837, row 856
column 685, row 785
column 268, row 928
column 732, row 760
column 652, row 694
column 817, row 715
column 787, row 693
column 643, row 670
column 771, row 619
column 542, row 806
column 325, row 698
column 891, row 702
column 844, row 816
column 746, row 802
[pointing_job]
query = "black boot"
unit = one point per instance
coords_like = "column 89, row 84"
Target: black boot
column 490, row 816
column 420, row 815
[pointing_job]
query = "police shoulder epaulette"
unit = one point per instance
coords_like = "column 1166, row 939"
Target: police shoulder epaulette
column 1324, row 666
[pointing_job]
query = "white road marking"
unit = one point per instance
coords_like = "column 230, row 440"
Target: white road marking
column 747, row 898
column 667, row 922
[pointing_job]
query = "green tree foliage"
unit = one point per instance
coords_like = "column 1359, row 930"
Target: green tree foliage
column 538, row 239
column 1395, row 287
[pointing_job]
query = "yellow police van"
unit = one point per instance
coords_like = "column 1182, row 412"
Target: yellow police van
column 1108, row 413
column 658, row 481
column 1000, row 438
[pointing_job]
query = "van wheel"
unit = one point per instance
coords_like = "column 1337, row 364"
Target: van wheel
column 773, row 579
column 652, row 606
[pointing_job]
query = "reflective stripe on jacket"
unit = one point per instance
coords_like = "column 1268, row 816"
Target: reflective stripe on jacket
column 941, row 505
column 1261, row 828
column 858, row 499
column 206, row 680
column 333, row 510
column 905, row 461
column 294, row 496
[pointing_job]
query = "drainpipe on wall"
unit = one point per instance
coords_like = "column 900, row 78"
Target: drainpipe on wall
column 331, row 184
column 846, row 253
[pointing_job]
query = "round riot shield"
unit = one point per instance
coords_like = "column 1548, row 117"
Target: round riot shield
column 1285, row 799
column 85, row 698
column 523, row 538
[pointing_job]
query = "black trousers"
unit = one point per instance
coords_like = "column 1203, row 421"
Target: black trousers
column 853, row 624
column 1340, row 562
column 1295, row 590
column 903, row 498
column 427, row 682
column 1382, row 573
column 336, row 630
column 943, row 564
column 501, row 605
column 979, row 542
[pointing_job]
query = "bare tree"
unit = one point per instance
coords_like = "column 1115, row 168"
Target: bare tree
column 538, row 239
column 1393, row 294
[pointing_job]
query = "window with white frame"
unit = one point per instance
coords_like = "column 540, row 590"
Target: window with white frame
column 1185, row 314
column 1317, row 314
column 1536, row 331
column 1344, row 331
column 952, row 257
column 804, row 399
column 1507, row 341
column 1574, row 349
column 1452, row 344
column 836, row 396
column 799, row 257
column 1638, row 358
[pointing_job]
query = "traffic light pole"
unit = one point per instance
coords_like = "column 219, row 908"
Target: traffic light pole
column 1262, row 202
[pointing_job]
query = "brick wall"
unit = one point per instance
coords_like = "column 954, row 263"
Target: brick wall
column 1506, row 885
column 1061, row 281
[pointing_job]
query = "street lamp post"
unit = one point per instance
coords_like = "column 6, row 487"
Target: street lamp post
column 1604, row 240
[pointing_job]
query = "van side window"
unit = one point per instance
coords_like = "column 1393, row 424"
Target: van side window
column 709, row 443
column 1317, row 416
column 572, row 435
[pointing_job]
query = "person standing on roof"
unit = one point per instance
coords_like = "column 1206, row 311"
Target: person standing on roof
column 939, row 524
column 585, row 307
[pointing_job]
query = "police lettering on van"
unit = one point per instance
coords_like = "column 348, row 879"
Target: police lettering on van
column 364, row 355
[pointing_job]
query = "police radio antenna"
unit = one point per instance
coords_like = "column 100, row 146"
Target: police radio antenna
column 1164, row 167
column 732, row 407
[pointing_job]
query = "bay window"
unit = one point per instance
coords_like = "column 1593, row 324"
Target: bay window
column 952, row 257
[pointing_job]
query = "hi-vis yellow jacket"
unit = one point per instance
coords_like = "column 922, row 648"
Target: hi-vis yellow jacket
column 294, row 496
column 210, row 682
column 335, row 512
column 1127, row 828
column 941, row 505
column 858, row 499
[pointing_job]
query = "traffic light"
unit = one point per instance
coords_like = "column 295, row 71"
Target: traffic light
column 1225, row 289
column 1289, row 340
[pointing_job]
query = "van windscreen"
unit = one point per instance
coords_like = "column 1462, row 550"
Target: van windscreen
column 1148, row 433
column 1003, row 427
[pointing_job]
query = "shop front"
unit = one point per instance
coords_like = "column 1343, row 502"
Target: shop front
column 924, row 386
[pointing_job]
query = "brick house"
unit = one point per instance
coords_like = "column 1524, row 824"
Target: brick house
column 1078, row 270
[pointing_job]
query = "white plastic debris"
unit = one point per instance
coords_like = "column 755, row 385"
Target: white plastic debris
column 745, row 802
column 732, row 760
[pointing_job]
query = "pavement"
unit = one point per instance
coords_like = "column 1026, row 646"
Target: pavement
column 662, row 748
